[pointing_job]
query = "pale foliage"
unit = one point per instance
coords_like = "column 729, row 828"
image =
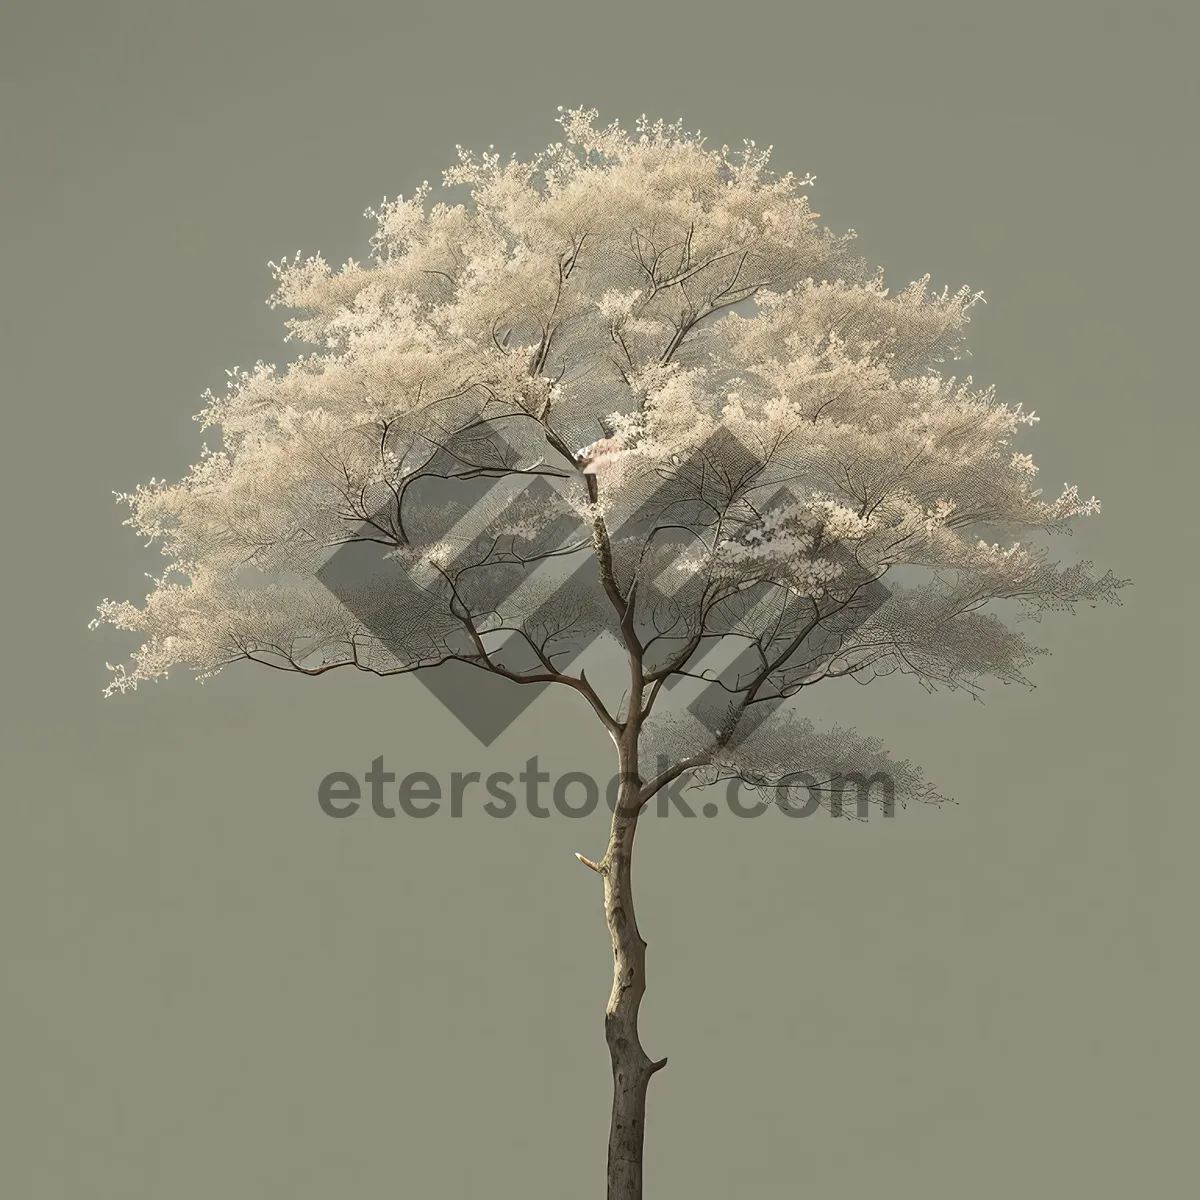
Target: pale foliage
column 611, row 305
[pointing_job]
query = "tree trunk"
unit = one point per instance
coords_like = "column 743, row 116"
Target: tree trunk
column 631, row 1065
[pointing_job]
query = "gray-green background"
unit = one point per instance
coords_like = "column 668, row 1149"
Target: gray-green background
column 211, row 989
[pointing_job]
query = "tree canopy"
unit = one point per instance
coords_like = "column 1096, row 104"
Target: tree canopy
column 693, row 405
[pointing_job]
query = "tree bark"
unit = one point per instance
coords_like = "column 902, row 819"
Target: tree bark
column 632, row 1067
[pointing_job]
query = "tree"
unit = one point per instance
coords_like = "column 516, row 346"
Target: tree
column 704, row 407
